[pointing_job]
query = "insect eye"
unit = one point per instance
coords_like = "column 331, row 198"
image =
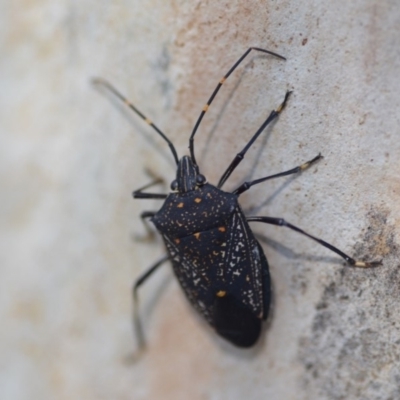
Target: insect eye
column 174, row 185
column 200, row 180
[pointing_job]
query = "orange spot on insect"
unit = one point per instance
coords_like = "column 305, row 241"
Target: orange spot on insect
column 180, row 205
column 222, row 229
column 205, row 108
column 197, row 200
column 221, row 293
column 177, row 241
column 197, row 235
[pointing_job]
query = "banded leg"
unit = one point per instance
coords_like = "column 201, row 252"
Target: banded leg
column 239, row 157
column 282, row 222
column 139, row 194
column 136, row 319
column 113, row 90
column 247, row 185
column 216, row 90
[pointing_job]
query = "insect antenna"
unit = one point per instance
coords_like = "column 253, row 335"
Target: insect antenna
column 112, row 89
column 216, row 90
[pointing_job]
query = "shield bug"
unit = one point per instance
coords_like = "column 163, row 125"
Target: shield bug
column 215, row 256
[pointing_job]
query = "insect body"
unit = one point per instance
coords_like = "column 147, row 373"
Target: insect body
column 215, row 256
column 219, row 264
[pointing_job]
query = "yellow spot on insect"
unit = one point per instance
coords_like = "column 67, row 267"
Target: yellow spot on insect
column 197, row 200
column 222, row 81
column 221, row 293
column 280, row 108
column 197, row 235
column 304, row 166
column 222, row 228
column 360, row 264
column 148, row 121
column 180, row 205
column 215, row 253
column 205, row 108
column 177, row 241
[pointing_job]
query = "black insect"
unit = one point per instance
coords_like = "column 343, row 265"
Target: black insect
column 219, row 263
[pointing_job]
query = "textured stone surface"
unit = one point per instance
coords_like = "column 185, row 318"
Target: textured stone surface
column 71, row 155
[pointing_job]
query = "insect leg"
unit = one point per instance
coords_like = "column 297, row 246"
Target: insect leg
column 239, row 157
column 220, row 83
column 113, row 90
column 282, row 222
column 139, row 194
column 146, row 275
column 136, row 319
column 150, row 233
column 247, row 185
